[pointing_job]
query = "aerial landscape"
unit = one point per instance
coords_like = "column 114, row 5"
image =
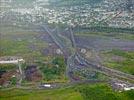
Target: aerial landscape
column 66, row 49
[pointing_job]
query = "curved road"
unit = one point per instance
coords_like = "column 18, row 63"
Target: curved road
column 70, row 62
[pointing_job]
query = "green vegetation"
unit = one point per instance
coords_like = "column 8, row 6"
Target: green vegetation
column 108, row 29
column 125, row 61
column 7, row 66
column 17, row 42
column 13, row 80
column 122, row 36
column 10, row 47
column 54, row 70
column 56, row 94
column 77, row 92
column 126, row 54
column 103, row 92
column 90, row 74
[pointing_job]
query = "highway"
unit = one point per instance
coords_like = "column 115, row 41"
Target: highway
column 107, row 71
column 75, row 55
column 72, row 66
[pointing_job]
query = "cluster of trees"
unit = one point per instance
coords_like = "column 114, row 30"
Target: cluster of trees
column 103, row 92
column 108, row 29
column 54, row 70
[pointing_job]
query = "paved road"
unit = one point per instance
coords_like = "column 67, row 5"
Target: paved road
column 70, row 62
column 107, row 71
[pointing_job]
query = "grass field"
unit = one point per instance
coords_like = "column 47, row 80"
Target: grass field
column 15, row 41
column 103, row 92
column 122, row 36
column 19, row 42
column 125, row 61
column 78, row 92
column 118, row 59
column 59, row 94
